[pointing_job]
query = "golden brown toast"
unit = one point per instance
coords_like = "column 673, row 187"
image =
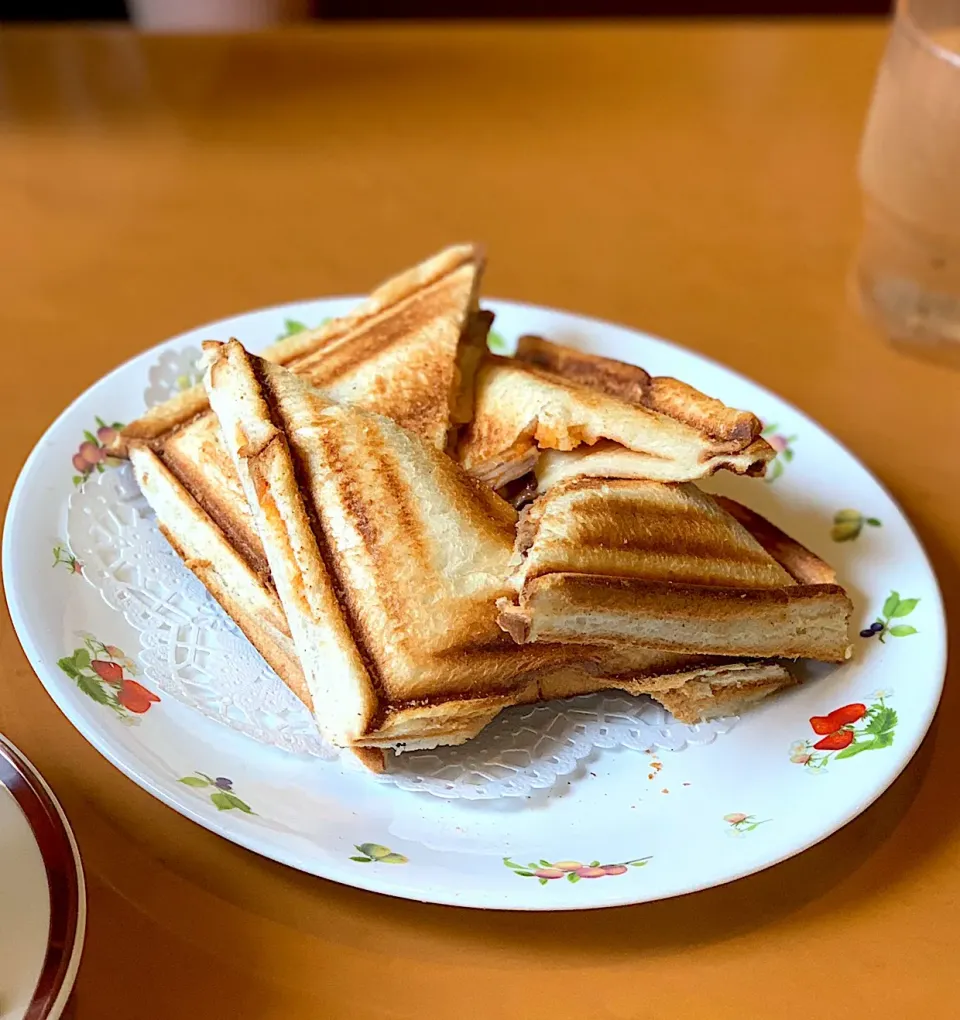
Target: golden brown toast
column 523, row 409
column 606, row 459
column 410, row 349
column 800, row 563
column 659, row 393
column 388, row 560
column 665, row 566
column 706, row 697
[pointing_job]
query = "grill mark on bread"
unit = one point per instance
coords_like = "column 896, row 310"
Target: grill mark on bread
column 804, row 566
column 247, row 545
column 663, row 394
column 617, row 378
column 323, row 547
column 180, row 411
column 337, row 355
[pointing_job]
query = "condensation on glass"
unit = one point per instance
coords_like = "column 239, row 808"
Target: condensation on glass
column 908, row 268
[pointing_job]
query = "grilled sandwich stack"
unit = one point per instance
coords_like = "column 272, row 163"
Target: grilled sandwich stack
column 417, row 534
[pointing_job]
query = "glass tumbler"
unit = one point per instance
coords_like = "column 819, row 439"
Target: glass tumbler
column 908, row 267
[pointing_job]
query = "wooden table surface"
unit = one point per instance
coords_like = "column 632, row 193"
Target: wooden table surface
column 696, row 181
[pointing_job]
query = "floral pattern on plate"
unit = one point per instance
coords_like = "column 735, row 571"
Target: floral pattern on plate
column 572, row 871
column 63, row 557
column 784, row 447
column 895, row 608
column 841, row 738
column 496, row 342
column 221, row 792
column 92, row 455
column 740, row 824
column 98, row 670
column 375, row 853
column 847, row 525
column 294, row 326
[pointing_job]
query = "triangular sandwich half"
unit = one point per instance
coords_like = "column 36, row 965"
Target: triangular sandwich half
column 409, row 350
column 551, row 400
column 666, row 566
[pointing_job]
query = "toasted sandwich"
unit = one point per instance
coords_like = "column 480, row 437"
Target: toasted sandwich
column 388, row 561
column 556, row 399
column 667, row 567
column 409, row 350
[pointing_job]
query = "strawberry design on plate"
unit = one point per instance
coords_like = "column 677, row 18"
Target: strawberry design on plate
column 100, row 672
column 839, row 736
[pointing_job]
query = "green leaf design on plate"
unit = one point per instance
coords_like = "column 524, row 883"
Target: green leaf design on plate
column 902, row 630
column 240, row 805
column 362, row 860
column 77, row 479
column 526, row 874
column 849, row 752
column 874, row 522
column 545, row 864
column 495, row 342
column 194, row 781
column 90, row 437
column 542, row 881
column 880, row 719
column 91, row 687
column 511, row 864
column 293, row 326
column 394, row 859
column 573, row 877
column 890, row 606
column 68, row 666
column 594, row 864
column 82, row 658
column 904, row 607
column 222, row 801
column 880, row 741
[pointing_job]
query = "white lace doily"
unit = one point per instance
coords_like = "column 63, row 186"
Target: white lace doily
column 193, row 652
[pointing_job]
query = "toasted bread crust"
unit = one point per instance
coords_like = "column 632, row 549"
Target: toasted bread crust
column 698, row 700
column 606, row 459
column 522, row 409
column 667, row 566
column 669, row 396
column 637, row 528
column 616, row 378
column 250, row 600
column 800, row 621
column 803, row 565
column 333, row 353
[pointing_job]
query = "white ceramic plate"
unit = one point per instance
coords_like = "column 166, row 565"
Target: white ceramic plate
column 664, row 823
column 42, row 899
